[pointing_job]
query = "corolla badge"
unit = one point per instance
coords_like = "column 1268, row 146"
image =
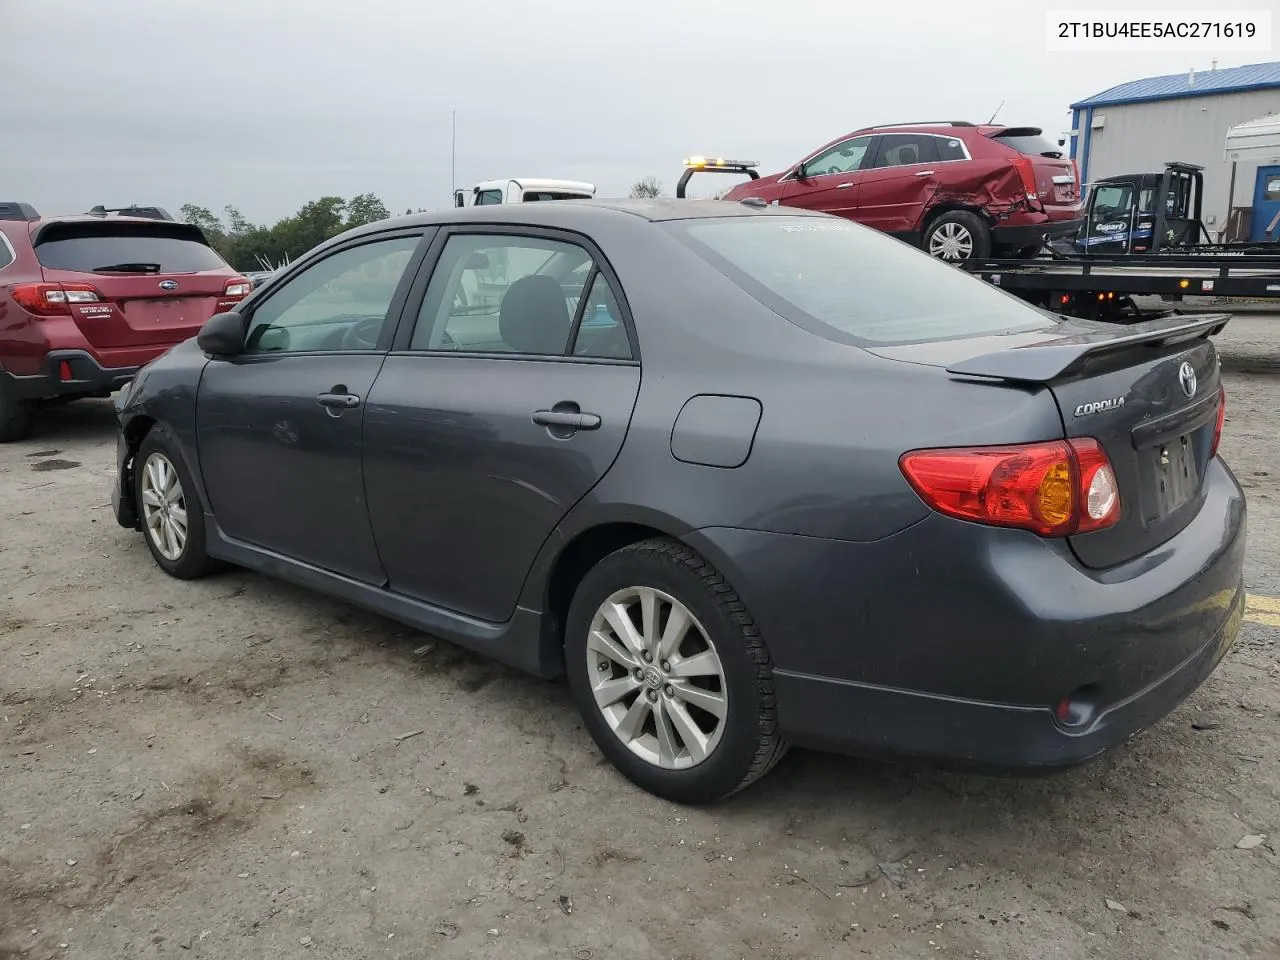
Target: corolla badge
column 168, row 284
column 1187, row 379
column 1098, row 406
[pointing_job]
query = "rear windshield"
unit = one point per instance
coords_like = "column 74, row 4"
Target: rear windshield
column 1032, row 144
column 852, row 284
column 114, row 247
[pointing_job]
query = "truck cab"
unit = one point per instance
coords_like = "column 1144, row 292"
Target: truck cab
column 522, row 190
column 1144, row 212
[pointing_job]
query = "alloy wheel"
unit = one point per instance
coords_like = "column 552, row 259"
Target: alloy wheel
column 656, row 678
column 951, row 241
column 164, row 507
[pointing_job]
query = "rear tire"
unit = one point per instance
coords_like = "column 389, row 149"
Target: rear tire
column 16, row 416
column 692, row 720
column 957, row 235
column 169, row 509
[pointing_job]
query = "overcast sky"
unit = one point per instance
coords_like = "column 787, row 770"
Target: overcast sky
column 267, row 104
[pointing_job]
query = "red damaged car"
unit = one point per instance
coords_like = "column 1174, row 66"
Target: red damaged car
column 957, row 190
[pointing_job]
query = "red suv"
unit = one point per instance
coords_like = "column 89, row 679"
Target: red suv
column 86, row 300
column 957, row 190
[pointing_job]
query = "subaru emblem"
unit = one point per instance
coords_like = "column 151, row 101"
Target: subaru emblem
column 1187, row 378
column 173, row 285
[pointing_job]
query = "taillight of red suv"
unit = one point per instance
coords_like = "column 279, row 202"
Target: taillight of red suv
column 53, row 299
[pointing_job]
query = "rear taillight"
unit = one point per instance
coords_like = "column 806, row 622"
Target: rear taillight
column 1054, row 489
column 1222, row 418
column 53, row 299
column 1075, row 175
column 1027, row 171
column 238, row 288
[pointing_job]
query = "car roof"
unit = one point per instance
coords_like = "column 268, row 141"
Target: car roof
column 582, row 214
column 538, row 183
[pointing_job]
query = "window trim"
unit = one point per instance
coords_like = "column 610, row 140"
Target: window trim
column 395, row 310
column 411, row 313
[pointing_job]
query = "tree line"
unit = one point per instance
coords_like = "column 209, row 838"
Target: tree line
column 250, row 246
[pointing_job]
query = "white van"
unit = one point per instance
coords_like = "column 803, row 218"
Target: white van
column 523, row 190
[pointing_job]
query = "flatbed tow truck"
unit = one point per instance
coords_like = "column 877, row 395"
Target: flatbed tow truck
column 1142, row 236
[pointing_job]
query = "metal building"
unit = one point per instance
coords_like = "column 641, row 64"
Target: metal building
column 1138, row 126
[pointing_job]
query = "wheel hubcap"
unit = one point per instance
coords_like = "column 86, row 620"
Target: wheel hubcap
column 656, row 678
column 164, row 506
column 951, row 241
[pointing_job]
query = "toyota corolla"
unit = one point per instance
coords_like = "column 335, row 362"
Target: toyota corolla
column 749, row 477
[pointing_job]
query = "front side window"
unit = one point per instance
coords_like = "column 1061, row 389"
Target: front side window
column 337, row 304
column 853, row 284
column 503, row 294
column 842, row 158
column 1112, row 201
column 488, row 197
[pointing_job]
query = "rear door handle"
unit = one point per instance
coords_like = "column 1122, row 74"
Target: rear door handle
column 924, row 173
column 566, row 418
column 342, row 401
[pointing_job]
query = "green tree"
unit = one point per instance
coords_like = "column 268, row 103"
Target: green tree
column 365, row 208
column 647, row 187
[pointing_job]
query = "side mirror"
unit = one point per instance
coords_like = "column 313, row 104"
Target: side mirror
column 801, row 175
column 459, row 198
column 222, row 335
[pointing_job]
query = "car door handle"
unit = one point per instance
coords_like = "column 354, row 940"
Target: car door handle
column 566, row 418
column 924, row 173
column 342, row 401
column 843, row 186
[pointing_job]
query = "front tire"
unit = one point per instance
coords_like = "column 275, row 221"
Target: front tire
column 169, row 510
column 671, row 675
column 958, row 235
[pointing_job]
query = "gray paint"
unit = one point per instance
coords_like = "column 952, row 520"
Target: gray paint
column 886, row 622
column 1141, row 137
column 715, row 431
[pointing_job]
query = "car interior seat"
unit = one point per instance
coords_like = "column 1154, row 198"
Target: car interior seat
column 533, row 317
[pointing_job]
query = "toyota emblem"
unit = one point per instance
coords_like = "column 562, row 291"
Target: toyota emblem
column 173, row 285
column 1187, row 378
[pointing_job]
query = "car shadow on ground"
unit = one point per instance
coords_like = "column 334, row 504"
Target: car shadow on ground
column 93, row 420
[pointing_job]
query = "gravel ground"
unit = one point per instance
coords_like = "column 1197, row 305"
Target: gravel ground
column 236, row 768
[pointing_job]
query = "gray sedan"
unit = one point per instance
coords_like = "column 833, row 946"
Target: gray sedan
column 749, row 477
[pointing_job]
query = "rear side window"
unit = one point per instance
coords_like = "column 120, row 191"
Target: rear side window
column 905, row 149
column 7, row 256
column 119, row 247
column 1030, row 142
column 852, row 284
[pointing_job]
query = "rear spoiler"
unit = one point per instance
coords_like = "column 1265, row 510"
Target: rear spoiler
column 1055, row 359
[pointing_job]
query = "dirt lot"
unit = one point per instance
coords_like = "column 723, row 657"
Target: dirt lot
column 235, row 768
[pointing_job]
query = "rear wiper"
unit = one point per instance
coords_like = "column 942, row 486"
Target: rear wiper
column 128, row 268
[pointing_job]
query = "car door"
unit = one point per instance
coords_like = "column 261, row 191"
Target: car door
column 898, row 182
column 831, row 181
column 495, row 413
column 1266, row 205
column 279, row 426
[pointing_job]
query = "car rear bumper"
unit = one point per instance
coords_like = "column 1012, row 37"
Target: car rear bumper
column 958, row 642
column 1034, row 234
column 68, row 373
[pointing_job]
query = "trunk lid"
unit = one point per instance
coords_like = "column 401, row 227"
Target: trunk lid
column 157, row 281
column 1148, row 393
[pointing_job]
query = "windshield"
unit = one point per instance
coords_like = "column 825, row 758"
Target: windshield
column 852, row 284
